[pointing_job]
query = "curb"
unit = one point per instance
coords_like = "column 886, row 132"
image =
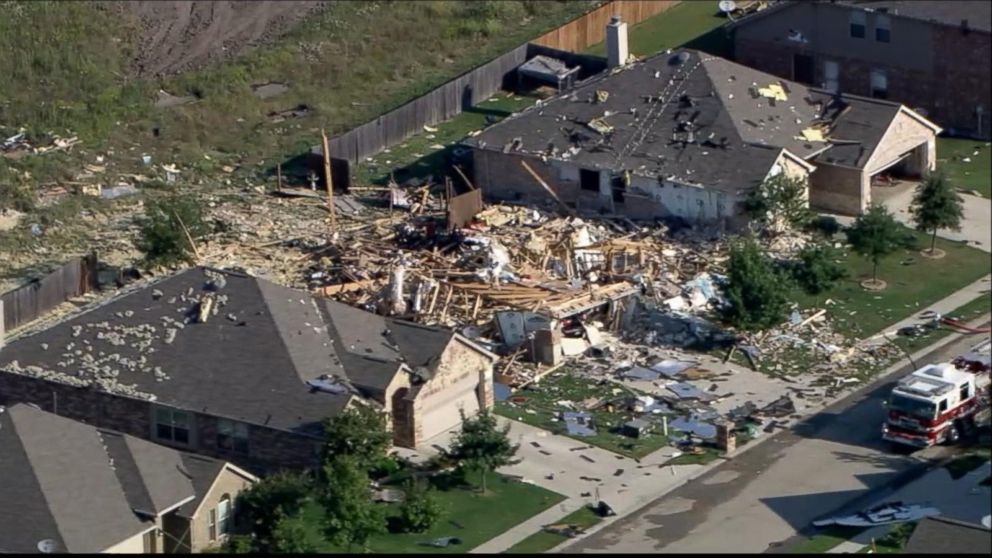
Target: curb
column 811, row 411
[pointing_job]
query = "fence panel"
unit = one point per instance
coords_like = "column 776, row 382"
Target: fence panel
column 590, row 29
column 30, row 301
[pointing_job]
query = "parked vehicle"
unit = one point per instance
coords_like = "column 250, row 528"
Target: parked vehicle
column 940, row 403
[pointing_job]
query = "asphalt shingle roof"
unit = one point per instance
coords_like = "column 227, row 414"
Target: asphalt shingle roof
column 978, row 13
column 737, row 132
column 939, row 536
column 78, row 486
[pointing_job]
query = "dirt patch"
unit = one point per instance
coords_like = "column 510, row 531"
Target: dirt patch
column 176, row 37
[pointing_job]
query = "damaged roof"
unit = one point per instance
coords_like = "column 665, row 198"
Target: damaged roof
column 250, row 360
column 690, row 117
column 978, row 15
column 81, row 487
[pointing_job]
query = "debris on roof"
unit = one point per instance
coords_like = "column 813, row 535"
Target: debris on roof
column 773, row 91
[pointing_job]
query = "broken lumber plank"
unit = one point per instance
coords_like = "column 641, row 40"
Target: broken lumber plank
column 331, row 290
column 547, row 188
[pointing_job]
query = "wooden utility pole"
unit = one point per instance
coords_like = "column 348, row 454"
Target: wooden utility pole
column 328, row 181
column 279, row 177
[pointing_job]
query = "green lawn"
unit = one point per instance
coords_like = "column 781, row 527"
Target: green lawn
column 539, row 408
column 914, row 282
column 688, row 24
column 981, row 306
column 426, row 152
column 825, row 540
column 468, row 515
column 973, row 175
column 543, row 541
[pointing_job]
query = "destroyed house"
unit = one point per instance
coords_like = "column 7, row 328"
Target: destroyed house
column 931, row 56
column 239, row 368
column 689, row 135
column 68, row 487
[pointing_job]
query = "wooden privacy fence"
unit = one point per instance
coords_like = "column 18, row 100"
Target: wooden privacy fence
column 481, row 83
column 30, row 301
column 590, row 29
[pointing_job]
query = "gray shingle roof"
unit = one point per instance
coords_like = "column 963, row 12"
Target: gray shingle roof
column 203, row 471
column 79, row 486
column 941, row 536
column 737, row 132
column 945, row 12
column 248, row 362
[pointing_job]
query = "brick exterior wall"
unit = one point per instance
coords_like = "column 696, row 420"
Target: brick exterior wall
column 947, row 94
column 502, row 178
column 838, row 189
column 269, row 450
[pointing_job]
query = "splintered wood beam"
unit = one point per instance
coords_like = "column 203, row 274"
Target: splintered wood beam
column 437, row 291
column 547, row 188
column 465, row 178
column 478, row 304
column 328, row 180
column 447, row 302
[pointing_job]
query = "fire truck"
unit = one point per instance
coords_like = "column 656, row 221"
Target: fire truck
column 940, row 403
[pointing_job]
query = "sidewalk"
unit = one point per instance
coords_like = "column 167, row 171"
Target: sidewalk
column 944, row 306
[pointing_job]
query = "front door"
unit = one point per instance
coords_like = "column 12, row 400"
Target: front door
column 802, row 69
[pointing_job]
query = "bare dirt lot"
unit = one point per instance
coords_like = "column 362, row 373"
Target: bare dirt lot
column 175, row 37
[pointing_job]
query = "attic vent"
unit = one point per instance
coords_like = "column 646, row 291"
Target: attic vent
column 678, row 59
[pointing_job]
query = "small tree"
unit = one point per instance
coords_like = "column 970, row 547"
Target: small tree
column 936, row 206
column 756, row 297
column 163, row 239
column 780, row 202
column 352, row 517
column 816, row 269
column 482, row 445
column 270, row 500
column 292, row 535
column 359, row 431
column 420, row 509
column 876, row 234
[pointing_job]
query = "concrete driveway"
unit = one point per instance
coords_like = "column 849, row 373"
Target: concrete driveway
column 976, row 228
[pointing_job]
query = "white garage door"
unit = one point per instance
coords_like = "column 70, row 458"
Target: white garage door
column 442, row 414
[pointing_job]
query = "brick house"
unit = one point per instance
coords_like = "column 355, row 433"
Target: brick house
column 70, row 487
column 690, row 135
column 930, row 56
column 231, row 366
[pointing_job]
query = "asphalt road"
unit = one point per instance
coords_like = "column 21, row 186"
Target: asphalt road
column 761, row 500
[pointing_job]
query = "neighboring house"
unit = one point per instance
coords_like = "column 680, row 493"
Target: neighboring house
column 689, row 135
column 227, row 365
column 932, row 56
column 942, row 536
column 68, row 487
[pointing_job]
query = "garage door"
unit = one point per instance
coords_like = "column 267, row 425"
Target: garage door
column 440, row 413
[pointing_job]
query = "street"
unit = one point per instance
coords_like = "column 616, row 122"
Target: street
column 832, row 461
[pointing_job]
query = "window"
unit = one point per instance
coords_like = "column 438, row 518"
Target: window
column 831, row 75
column 589, row 180
column 879, row 84
column 212, row 525
column 172, row 426
column 943, row 406
column 965, row 391
column 883, row 32
column 618, row 186
column 858, row 24
column 224, row 514
column 232, row 436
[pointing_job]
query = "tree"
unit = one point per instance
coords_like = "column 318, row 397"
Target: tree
column 292, row 535
column 816, row 269
column 163, row 238
column 936, row 206
column 270, row 500
column 780, row 202
column 754, row 290
column 482, row 445
column 876, row 234
column 420, row 509
column 359, row 431
column 352, row 517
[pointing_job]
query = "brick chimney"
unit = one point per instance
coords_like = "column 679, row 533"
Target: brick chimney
column 616, row 43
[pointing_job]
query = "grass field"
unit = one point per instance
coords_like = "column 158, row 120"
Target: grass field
column 825, row 540
column 981, row 306
column 914, row 282
column 543, row 541
column 689, row 24
column 976, row 174
column 468, row 515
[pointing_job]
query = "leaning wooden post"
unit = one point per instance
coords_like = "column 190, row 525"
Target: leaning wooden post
column 279, row 177
column 328, row 180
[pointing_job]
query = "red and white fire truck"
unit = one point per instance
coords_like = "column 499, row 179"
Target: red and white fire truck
column 940, row 402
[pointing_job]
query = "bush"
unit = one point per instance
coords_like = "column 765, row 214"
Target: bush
column 816, row 269
column 756, row 298
column 779, row 203
column 270, row 500
column 162, row 237
column 824, row 225
column 420, row 510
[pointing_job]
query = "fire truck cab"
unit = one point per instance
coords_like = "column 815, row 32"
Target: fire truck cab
column 934, row 405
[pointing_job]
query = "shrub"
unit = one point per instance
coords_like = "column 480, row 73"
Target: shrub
column 756, row 298
column 420, row 510
column 163, row 239
column 824, row 225
column 816, row 269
